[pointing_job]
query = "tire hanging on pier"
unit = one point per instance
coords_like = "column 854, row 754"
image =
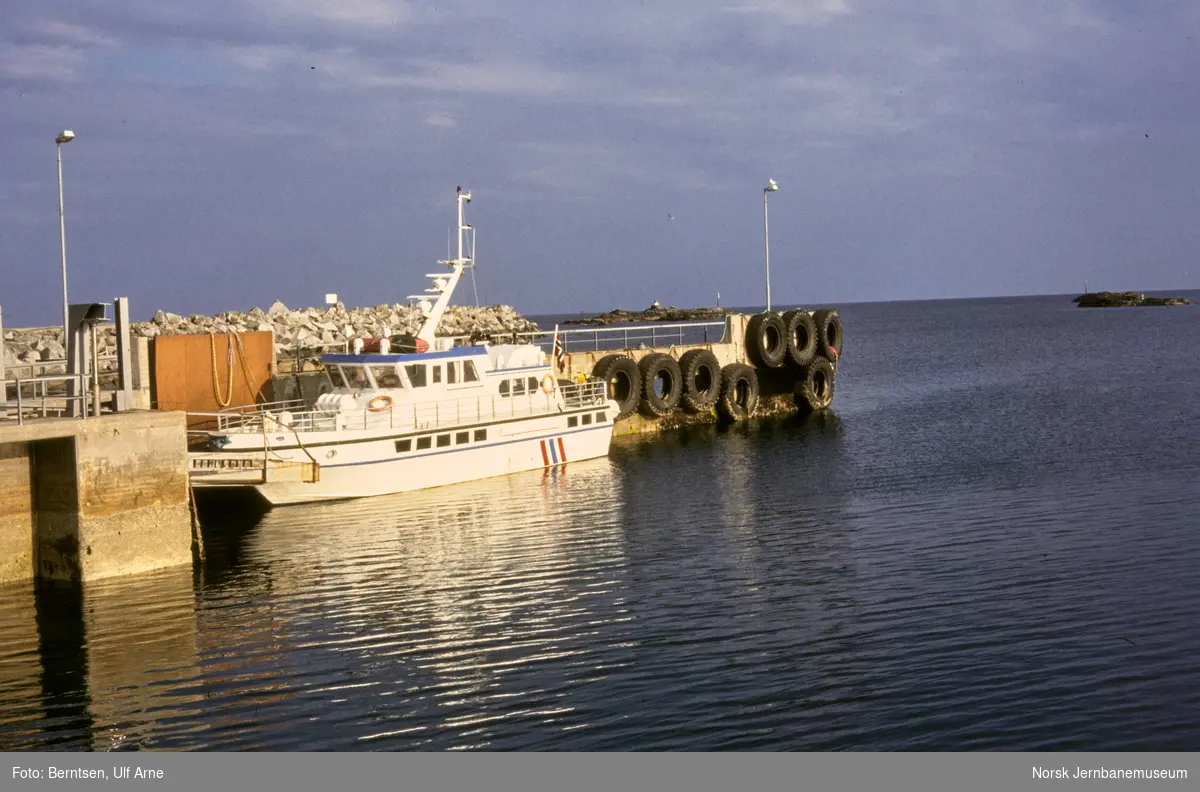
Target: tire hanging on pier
column 816, row 389
column 829, row 333
column 801, row 333
column 662, row 383
column 701, row 373
column 766, row 341
column 623, row 381
column 739, row 392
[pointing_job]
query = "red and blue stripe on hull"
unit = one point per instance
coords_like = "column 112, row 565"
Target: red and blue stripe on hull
column 553, row 452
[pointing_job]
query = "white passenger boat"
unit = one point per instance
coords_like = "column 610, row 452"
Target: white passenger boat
column 393, row 422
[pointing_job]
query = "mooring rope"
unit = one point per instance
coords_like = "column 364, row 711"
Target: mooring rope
column 216, row 378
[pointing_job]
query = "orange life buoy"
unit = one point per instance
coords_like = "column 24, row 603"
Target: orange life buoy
column 381, row 403
column 548, row 384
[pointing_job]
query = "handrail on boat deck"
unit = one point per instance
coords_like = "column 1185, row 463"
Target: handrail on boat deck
column 418, row 416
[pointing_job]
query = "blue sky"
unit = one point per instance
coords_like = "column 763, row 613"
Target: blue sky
column 233, row 152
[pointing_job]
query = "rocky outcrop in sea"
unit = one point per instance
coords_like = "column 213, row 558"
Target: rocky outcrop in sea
column 1107, row 299
column 297, row 331
column 655, row 313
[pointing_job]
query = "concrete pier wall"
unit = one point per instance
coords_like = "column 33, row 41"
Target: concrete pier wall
column 81, row 500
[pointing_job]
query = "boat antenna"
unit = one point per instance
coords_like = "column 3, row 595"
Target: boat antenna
column 474, row 286
column 443, row 283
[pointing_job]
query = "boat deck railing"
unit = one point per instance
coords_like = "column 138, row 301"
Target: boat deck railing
column 284, row 417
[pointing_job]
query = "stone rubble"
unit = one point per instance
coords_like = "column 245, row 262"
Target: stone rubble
column 302, row 331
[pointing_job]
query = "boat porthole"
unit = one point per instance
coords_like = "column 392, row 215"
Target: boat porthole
column 331, row 453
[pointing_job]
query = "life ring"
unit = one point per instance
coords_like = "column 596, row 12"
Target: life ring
column 381, row 403
column 548, row 384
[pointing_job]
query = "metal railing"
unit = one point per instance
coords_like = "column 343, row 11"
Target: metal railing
column 615, row 337
column 33, row 396
column 277, row 417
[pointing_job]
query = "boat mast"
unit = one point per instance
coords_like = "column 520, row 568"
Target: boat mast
column 443, row 283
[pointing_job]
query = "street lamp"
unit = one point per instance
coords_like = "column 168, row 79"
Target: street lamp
column 771, row 187
column 66, row 136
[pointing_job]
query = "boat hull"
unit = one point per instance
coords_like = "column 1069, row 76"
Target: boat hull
column 363, row 472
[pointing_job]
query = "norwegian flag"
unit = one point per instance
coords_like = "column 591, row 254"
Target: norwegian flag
column 560, row 354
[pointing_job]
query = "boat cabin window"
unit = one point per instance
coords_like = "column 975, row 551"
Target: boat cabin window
column 533, row 384
column 356, row 376
column 469, row 373
column 518, row 387
column 437, row 373
column 386, row 376
column 504, row 387
column 416, row 375
column 451, row 373
column 335, row 377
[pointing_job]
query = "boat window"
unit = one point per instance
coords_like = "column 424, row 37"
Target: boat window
column 451, row 373
column 504, row 388
column 443, row 440
column 587, row 419
column 601, row 417
column 403, row 446
column 386, row 376
column 416, row 375
column 462, row 437
column 572, row 421
column 533, row 384
column 518, row 387
column 356, row 376
column 437, row 373
column 335, row 377
column 424, row 442
column 469, row 373
column 480, row 435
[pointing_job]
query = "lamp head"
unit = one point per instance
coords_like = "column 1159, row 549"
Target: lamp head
column 772, row 186
column 66, row 136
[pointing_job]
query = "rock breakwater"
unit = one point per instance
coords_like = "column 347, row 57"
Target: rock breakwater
column 297, row 331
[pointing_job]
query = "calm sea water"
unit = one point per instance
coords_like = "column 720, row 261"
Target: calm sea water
column 990, row 543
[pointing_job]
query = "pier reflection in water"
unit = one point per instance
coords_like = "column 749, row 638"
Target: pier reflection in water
column 527, row 611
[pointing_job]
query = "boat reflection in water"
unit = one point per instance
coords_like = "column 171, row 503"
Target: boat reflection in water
column 404, row 620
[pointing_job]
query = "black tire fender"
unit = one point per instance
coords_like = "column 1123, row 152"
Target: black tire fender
column 801, row 333
column 655, row 368
column 701, row 374
column 623, row 382
column 739, row 392
column 766, row 342
column 829, row 333
column 816, row 389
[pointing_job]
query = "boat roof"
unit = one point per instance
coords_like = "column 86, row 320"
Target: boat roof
column 368, row 358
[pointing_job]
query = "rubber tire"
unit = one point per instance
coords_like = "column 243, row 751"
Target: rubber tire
column 816, row 389
column 691, row 364
column 651, row 367
column 798, row 322
column 611, row 367
column 759, row 330
column 829, row 333
column 730, row 407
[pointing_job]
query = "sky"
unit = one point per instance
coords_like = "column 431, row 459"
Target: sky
column 235, row 152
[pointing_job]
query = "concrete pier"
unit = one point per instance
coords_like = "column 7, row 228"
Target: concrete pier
column 82, row 500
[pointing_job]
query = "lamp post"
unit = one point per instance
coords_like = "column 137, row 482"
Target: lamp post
column 66, row 136
column 771, row 187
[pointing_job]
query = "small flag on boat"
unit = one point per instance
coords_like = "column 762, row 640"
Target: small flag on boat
column 560, row 354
